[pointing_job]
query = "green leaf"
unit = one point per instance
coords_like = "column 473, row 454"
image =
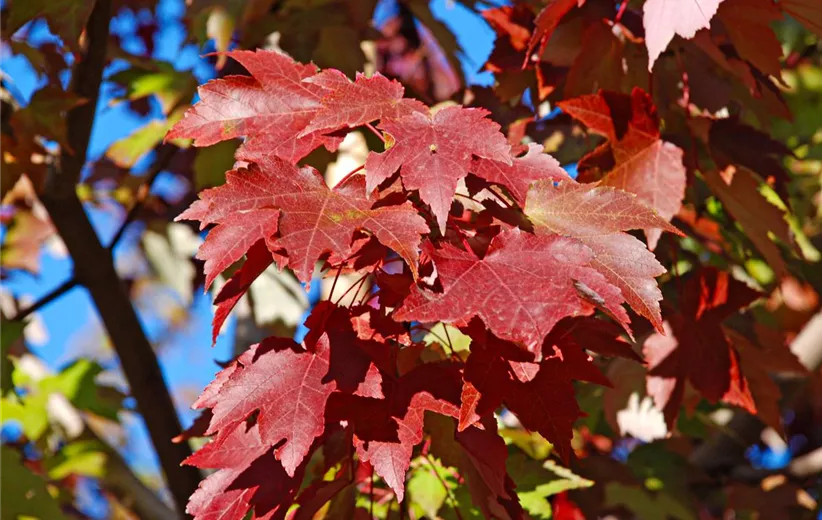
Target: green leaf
column 30, row 413
column 531, row 443
column 645, row 504
column 212, row 162
column 127, row 151
column 442, row 333
column 168, row 84
column 10, row 332
column 78, row 458
column 77, row 383
column 536, row 481
column 24, row 493
column 425, row 488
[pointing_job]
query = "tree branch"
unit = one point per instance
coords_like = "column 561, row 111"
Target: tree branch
column 55, row 293
column 94, row 269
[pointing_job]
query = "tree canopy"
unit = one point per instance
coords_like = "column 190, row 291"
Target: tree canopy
column 537, row 259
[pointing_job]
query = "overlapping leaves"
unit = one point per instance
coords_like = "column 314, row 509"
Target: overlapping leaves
column 557, row 251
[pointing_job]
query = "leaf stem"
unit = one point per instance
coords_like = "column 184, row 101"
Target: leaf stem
column 622, row 7
column 362, row 278
column 451, row 497
column 375, row 131
column 349, row 174
column 334, row 285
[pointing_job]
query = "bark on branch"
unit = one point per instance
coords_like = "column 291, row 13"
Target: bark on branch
column 94, row 268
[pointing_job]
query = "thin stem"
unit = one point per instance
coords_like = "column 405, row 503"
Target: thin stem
column 55, row 293
column 375, row 131
column 622, row 7
column 334, row 285
column 500, row 198
column 363, row 277
column 451, row 497
column 371, row 496
column 349, row 174
column 448, row 337
column 164, row 154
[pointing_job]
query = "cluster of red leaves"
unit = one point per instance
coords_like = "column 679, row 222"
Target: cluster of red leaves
column 520, row 262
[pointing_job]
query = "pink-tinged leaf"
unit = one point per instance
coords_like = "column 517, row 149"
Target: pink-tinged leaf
column 283, row 384
column 655, row 172
column 224, row 245
column 663, row 19
column 643, row 163
column 518, row 176
column 596, row 215
column 626, row 263
column 583, row 210
column 271, row 109
column 351, row 104
column 520, row 289
column 257, row 261
column 433, row 152
column 314, row 219
column 243, row 209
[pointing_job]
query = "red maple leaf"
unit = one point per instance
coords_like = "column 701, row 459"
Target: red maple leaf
column 257, row 261
column 644, row 164
column 433, row 152
column 518, row 176
column 521, row 287
column 594, row 334
column 283, row 384
column 270, row 109
column 540, row 394
column 248, row 477
column 313, row 219
column 350, row 104
column 695, row 347
column 597, row 215
column 387, row 425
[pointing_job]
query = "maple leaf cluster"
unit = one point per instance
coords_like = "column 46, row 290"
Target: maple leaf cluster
column 496, row 240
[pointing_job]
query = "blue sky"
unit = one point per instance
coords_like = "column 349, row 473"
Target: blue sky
column 71, row 322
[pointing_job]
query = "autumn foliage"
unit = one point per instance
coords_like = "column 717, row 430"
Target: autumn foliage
column 524, row 283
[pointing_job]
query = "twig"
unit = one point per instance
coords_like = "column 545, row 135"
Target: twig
column 164, row 154
column 55, row 293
